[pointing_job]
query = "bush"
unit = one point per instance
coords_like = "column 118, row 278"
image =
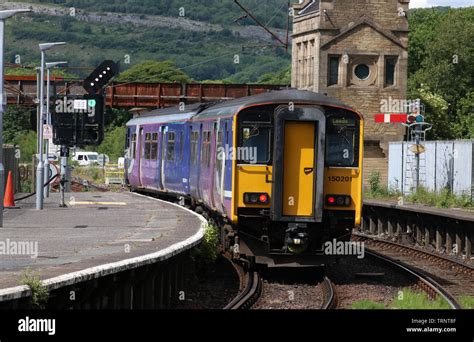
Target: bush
column 206, row 254
column 374, row 182
column 442, row 199
column 39, row 294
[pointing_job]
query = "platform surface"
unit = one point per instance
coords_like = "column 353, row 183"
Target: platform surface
column 95, row 229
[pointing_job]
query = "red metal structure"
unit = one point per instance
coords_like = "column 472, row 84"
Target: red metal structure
column 21, row 90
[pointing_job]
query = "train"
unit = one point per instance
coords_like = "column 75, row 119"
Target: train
column 280, row 173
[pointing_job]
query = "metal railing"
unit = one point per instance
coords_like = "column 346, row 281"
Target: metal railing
column 448, row 232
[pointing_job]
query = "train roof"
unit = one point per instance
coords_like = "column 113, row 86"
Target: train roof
column 276, row 96
column 166, row 115
column 231, row 107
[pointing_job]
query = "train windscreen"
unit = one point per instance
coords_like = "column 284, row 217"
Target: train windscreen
column 342, row 139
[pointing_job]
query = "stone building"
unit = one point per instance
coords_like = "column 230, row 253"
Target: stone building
column 356, row 51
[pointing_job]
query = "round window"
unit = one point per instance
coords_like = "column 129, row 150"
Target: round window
column 362, row 71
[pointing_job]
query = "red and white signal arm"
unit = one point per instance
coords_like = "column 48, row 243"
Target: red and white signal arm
column 390, row 118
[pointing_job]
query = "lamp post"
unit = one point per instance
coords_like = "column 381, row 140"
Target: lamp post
column 49, row 66
column 4, row 15
column 40, row 169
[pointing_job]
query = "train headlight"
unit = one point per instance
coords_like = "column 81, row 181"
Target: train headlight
column 256, row 198
column 338, row 201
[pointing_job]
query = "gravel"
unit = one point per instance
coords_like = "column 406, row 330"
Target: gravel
column 213, row 289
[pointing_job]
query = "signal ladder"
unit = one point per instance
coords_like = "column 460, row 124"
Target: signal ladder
column 415, row 163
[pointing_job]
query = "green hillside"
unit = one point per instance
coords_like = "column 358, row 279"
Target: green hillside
column 213, row 55
column 213, row 11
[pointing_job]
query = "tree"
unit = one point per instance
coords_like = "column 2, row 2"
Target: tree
column 442, row 68
column 154, row 71
column 16, row 122
column 279, row 78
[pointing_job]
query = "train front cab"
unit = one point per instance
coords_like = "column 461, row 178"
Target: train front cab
column 281, row 202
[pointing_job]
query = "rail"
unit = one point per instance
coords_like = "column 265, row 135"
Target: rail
column 250, row 287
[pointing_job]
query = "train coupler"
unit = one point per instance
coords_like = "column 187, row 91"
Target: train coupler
column 296, row 238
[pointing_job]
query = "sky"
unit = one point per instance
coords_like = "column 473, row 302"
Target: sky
column 431, row 3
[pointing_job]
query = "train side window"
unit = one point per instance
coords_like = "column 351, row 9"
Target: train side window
column 154, row 146
column 194, row 146
column 134, row 145
column 147, row 150
column 170, row 150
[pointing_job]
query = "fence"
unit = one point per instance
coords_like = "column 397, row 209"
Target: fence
column 443, row 164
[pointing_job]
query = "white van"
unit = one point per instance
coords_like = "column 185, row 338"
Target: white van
column 86, row 158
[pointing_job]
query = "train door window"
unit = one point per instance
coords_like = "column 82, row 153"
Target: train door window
column 220, row 152
column 342, row 145
column 154, row 146
column 170, row 150
column 134, row 145
column 181, row 145
column 206, row 148
column 147, row 149
column 81, row 157
column 194, row 146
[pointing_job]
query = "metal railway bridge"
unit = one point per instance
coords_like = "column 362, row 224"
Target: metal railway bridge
column 21, row 90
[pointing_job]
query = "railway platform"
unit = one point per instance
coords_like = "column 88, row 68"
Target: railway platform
column 96, row 230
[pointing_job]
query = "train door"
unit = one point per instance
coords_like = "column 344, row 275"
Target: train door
column 214, row 165
column 139, row 154
column 199, row 156
column 299, row 144
column 163, row 156
column 298, row 168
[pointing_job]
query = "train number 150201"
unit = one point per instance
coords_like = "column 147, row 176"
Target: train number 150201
column 340, row 179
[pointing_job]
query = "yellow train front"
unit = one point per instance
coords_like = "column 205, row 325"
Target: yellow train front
column 300, row 185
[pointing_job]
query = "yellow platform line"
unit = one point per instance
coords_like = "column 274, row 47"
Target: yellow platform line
column 97, row 203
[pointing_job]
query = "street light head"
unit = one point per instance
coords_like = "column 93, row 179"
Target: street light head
column 51, row 65
column 47, row 46
column 10, row 13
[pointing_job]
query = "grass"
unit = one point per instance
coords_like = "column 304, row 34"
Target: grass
column 467, row 302
column 367, row 305
column 409, row 300
column 418, row 300
column 90, row 173
column 440, row 199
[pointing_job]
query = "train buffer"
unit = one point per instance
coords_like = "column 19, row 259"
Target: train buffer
column 114, row 174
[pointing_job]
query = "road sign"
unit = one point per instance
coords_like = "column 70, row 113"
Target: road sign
column 47, row 132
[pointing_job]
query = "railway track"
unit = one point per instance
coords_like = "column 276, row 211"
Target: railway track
column 434, row 274
column 329, row 293
column 250, row 286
